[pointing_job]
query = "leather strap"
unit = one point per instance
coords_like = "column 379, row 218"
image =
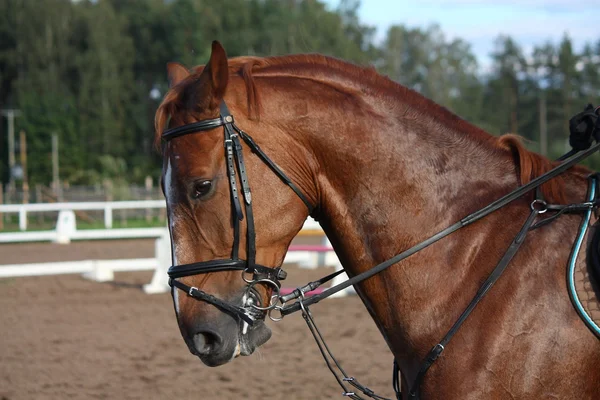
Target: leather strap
column 235, row 161
column 301, row 291
column 201, row 295
column 205, row 267
column 435, row 352
column 469, row 219
column 396, row 380
column 178, row 271
column 200, row 126
column 250, row 231
column 261, row 154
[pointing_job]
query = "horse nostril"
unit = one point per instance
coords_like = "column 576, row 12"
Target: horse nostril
column 206, row 342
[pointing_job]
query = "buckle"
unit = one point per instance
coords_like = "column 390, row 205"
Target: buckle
column 281, row 274
column 192, row 288
column 539, row 205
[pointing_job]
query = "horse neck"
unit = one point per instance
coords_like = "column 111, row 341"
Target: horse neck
column 387, row 183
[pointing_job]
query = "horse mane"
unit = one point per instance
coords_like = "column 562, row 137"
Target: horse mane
column 352, row 78
column 531, row 165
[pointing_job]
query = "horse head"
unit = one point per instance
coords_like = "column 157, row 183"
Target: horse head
column 211, row 182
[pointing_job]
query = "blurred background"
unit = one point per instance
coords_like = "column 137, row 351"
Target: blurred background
column 79, row 84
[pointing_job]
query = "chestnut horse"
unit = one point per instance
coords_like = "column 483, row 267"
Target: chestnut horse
column 385, row 168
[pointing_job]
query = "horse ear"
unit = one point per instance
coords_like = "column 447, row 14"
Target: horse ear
column 176, row 73
column 218, row 70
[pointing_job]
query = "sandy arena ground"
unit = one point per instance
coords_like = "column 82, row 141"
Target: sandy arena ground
column 63, row 337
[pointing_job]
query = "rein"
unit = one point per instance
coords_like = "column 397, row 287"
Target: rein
column 581, row 140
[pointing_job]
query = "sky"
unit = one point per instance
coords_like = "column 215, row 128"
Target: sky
column 479, row 22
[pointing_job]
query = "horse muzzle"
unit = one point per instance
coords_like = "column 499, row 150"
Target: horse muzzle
column 219, row 343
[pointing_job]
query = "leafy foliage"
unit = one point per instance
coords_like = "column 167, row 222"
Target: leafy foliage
column 93, row 72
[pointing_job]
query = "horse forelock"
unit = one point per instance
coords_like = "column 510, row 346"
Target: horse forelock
column 173, row 104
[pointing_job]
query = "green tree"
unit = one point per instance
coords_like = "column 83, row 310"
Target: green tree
column 445, row 71
column 501, row 102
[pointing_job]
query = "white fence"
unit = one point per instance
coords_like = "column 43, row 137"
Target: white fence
column 108, row 206
column 103, row 270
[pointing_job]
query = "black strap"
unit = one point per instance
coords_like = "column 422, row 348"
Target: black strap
column 236, row 209
column 396, row 380
column 196, row 293
column 239, row 154
column 250, row 231
column 261, row 154
column 333, row 364
column 435, row 352
column 298, row 292
column 200, row 126
column 205, row 267
column 469, row 219
column 560, row 210
column 235, row 161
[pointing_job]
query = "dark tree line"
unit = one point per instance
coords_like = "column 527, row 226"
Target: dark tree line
column 93, row 72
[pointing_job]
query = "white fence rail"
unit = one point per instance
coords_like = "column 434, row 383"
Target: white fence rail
column 103, row 270
column 88, row 234
column 107, row 206
column 77, row 267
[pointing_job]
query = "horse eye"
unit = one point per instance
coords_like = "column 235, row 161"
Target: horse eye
column 201, row 188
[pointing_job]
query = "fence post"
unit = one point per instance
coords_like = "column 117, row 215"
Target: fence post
column 148, row 186
column 1, row 202
column 108, row 218
column 39, row 199
column 22, row 219
column 160, row 279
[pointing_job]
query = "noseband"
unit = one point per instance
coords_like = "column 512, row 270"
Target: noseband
column 260, row 274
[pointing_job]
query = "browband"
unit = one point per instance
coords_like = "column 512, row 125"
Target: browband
column 200, row 126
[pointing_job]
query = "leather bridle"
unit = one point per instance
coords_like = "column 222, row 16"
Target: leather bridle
column 271, row 276
column 260, row 274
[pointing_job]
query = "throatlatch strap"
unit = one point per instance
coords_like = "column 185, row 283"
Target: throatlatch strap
column 256, row 149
